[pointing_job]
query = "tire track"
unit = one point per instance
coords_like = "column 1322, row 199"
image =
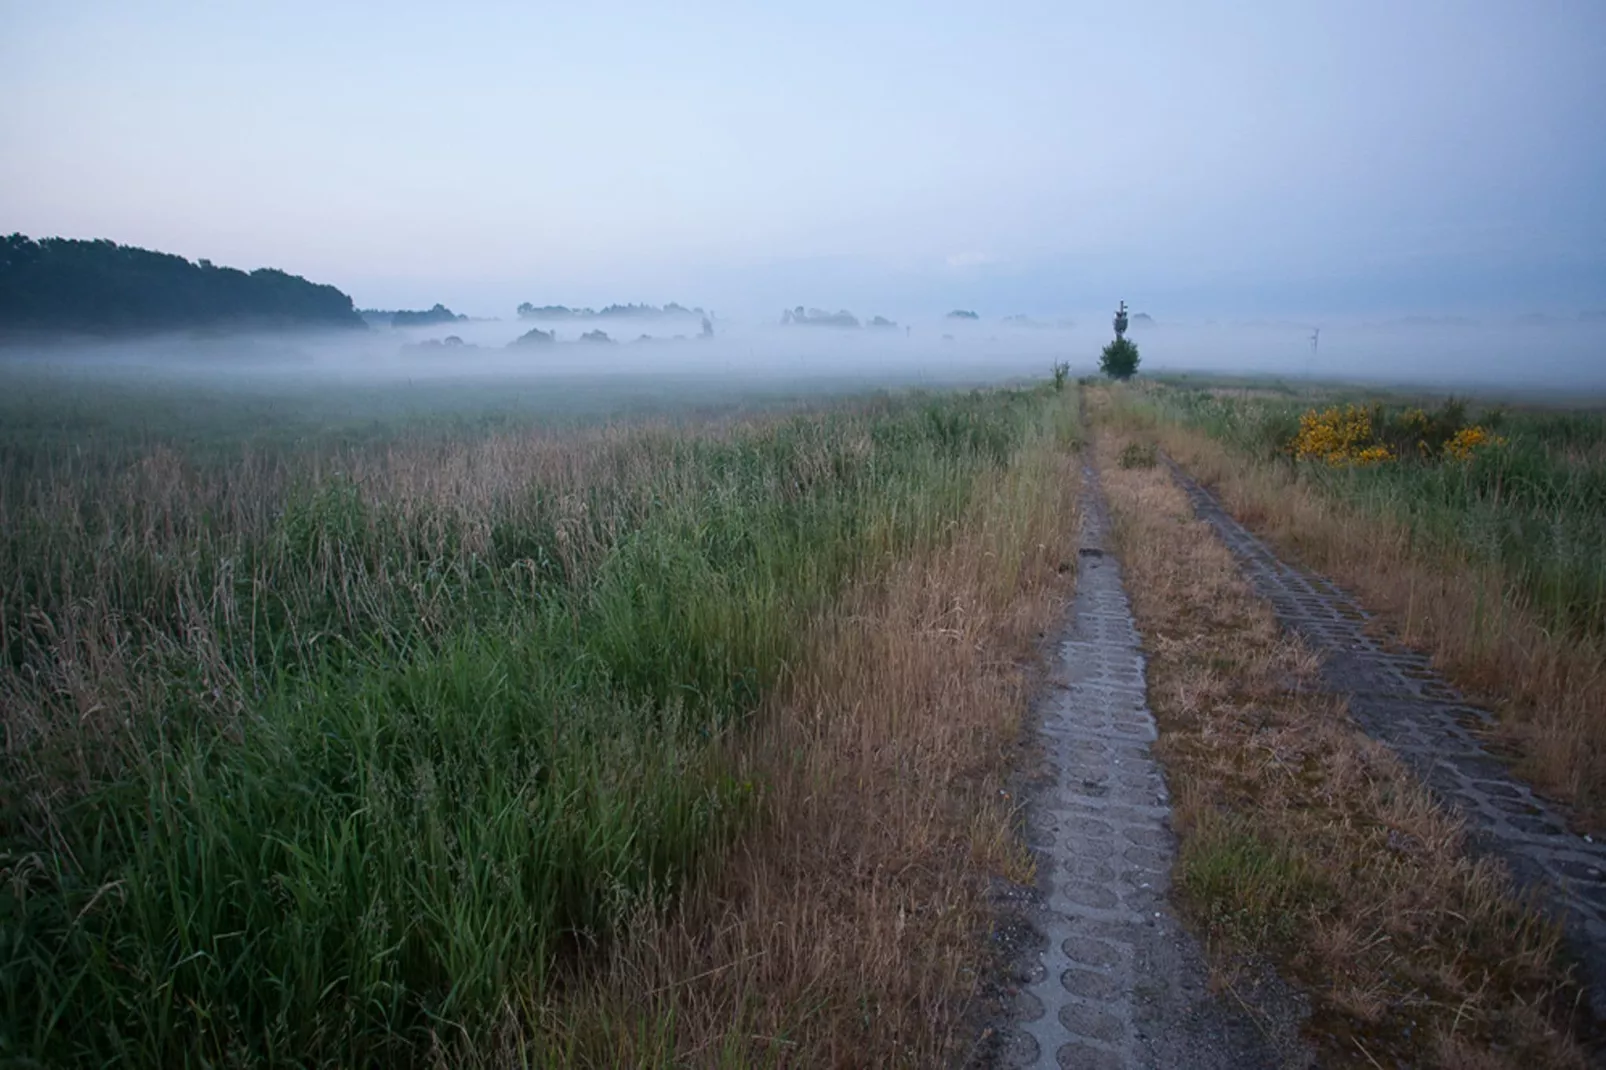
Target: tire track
column 1398, row 699
column 1116, row 982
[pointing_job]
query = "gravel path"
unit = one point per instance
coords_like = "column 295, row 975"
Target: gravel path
column 1109, row 977
column 1399, row 700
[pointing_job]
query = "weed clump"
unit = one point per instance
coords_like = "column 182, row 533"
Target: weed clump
column 1138, row 455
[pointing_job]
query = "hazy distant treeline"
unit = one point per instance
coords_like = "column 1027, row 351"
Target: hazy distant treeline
column 564, row 312
column 428, row 317
column 69, row 285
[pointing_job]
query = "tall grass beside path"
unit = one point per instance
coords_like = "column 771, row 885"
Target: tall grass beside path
column 316, row 756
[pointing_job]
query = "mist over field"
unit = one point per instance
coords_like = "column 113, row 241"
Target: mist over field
column 1533, row 359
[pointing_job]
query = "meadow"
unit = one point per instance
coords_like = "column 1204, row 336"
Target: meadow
column 355, row 728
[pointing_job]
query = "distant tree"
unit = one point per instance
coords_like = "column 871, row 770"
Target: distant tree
column 596, row 336
column 1119, row 359
column 63, row 284
column 962, row 314
column 534, row 336
column 882, row 322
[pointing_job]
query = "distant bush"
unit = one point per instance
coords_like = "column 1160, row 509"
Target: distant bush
column 963, row 314
column 596, row 336
column 1119, row 359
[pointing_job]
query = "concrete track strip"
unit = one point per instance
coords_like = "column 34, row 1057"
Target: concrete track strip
column 1398, row 699
column 1118, row 982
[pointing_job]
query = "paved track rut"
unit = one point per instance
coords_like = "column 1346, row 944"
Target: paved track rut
column 1398, row 699
column 1117, row 982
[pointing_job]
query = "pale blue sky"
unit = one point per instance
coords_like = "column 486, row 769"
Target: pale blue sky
column 1200, row 158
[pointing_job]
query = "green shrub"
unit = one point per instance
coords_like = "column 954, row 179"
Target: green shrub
column 1119, row 359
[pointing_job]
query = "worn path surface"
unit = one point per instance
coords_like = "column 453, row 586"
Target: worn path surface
column 1398, row 699
column 1113, row 980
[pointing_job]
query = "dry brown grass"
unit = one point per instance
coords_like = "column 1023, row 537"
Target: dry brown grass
column 1548, row 688
column 1305, row 841
column 848, row 929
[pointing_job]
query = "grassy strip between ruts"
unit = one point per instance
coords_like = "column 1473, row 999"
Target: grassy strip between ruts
column 1307, row 843
column 1497, row 567
column 375, row 756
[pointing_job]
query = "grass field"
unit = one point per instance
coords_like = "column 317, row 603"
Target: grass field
column 357, row 732
column 1495, row 560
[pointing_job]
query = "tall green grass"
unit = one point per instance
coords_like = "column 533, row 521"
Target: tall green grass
column 1536, row 506
column 317, row 753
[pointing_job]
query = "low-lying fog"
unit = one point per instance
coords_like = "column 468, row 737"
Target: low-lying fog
column 1556, row 356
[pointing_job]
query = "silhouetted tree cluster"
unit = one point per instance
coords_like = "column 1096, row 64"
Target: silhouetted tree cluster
column 69, row 285
column 814, row 317
column 963, row 314
column 564, row 312
column 534, row 336
column 439, row 314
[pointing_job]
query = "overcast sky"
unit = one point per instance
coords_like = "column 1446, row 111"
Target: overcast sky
column 1194, row 158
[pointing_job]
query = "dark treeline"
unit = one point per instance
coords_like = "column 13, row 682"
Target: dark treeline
column 62, row 284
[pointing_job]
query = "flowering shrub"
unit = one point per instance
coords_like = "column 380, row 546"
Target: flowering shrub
column 1354, row 436
column 1340, row 437
column 1468, row 441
